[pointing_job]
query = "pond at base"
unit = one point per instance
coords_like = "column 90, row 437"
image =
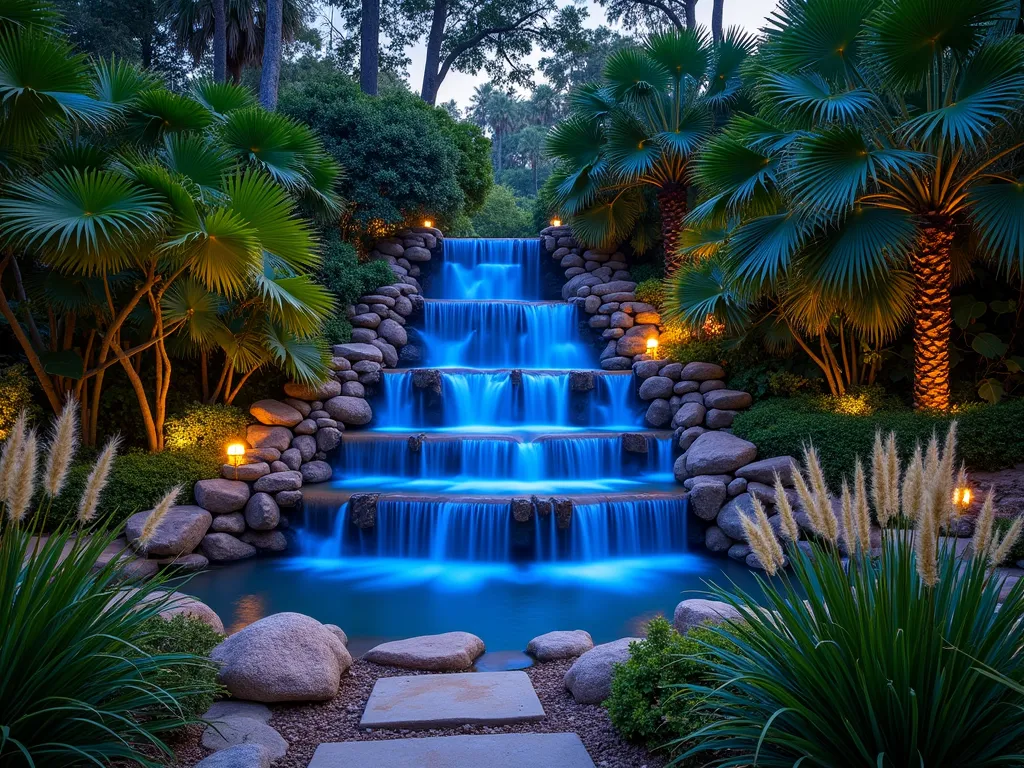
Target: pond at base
column 506, row 604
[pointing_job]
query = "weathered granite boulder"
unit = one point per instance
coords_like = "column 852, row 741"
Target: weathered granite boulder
column 269, row 541
column 279, row 481
column 645, row 369
column 261, row 512
column 305, row 445
column 328, row 438
column 245, row 755
column 522, row 510
column 701, row 372
column 763, row 471
column 716, row 541
column 659, row 413
column 221, row 496
column 316, row 472
column 581, row 381
column 589, row 679
column 261, row 436
column 363, row 509
column 694, row 612
column 656, row 386
column 224, row 548
column 730, row 519
column 305, row 427
column 393, row 333
column 180, row 532
column 707, row 498
column 634, row 442
column 568, row 644
column 274, row 412
column 717, row 419
column 448, row 652
column 233, row 522
column 351, row 411
column 679, row 468
column 727, row 398
column 322, row 391
column 283, row 657
column 688, row 435
column 689, row 415
column 715, row 453
column 246, row 472
column 232, row 732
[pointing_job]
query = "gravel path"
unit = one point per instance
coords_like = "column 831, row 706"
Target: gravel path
column 305, row 726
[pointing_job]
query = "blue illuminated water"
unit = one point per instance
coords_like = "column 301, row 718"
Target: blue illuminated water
column 506, row 423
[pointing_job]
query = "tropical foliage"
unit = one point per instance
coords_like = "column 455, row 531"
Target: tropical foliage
column 883, row 157
column 140, row 224
column 79, row 686
column 627, row 149
column 904, row 654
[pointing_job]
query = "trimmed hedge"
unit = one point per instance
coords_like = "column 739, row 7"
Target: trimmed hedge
column 205, row 426
column 989, row 436
column 137, row 481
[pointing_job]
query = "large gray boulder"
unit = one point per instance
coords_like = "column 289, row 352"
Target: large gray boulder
column 707, row 498
column 356, row 352
column 221, row 496
column 727, row 399
column 716, row 453
column 316, row 472
column 589, row 679
column 261, row 436
column 289, row 480
column 447, row 652
column 659, row 413
column 701, row 372
column 250, row 754
column 225, row 548
column 560, row 645
column 730, row 519
column 694, row 612
column 180, row 532
column 284, row 657
column 656, row 386
column 393, row 333
column 763, row 471
column 313, row 392
column 274, row 413
column 351, row 411
column 261, row 512
column 689, row 415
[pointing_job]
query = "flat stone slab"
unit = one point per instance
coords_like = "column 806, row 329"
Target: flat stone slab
column 506, row 750
column 441, row 701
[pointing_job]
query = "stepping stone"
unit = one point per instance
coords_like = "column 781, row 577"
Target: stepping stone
column 447, row 652
column 506, row 750
column 441, row 701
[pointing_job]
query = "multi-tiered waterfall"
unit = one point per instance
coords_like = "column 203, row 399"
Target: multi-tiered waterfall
column 517, row 413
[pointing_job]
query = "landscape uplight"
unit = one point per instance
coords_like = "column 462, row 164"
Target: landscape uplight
column 428, row 223
column 652, row 347
column 962, row 497
column 556, row 222
column 236, row 452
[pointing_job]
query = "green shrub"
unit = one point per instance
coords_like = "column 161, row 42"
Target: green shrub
column 643, row 273
column 184, row 635
column 644, row 705
column 74, row 689
column 990, row 436
column 205, row 426
column 902, row 657
column 503, row 215
column 649, row 291
column 15, row 396
column 343, row 275
column 138, row 480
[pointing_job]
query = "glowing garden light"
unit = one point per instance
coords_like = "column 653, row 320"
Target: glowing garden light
column 652, row 347
column 236, row 453
column 428, row 223
column 556, row 222
column 962, row 497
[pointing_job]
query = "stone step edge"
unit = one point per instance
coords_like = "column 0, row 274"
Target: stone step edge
column 326, row 492
column 428, row 436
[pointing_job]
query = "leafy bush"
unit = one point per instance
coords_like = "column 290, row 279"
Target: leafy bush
column 649, row 290
column 343, row 275
column 137, row 480
column 184, row 635
column 205, row 426
column 15, row 396
column 991, row 436
column 502, row 215
column 898, row 658
column 645, row 705
column 403, row 158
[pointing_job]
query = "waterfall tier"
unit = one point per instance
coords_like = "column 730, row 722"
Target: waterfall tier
column 484, row 401
column 489, row 269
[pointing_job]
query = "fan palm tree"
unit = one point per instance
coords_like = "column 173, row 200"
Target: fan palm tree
column 173, row 195
column 639, row 129
column 887, row 150
column 193, row 24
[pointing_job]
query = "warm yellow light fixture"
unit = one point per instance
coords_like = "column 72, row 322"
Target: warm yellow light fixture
column 235, row 453
column 428, row 223
column 962, row 497
column 652, row 347
column 556, row 222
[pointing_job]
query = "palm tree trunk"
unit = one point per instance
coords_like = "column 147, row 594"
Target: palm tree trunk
column 220, row 41
column 272, row 50
column 672, row 202
column 933, row 317
column 691, row 14
column 369, row 47
column 716, row 20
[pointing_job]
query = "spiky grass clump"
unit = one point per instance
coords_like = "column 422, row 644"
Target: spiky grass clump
column 75, row 688
column 892, row 658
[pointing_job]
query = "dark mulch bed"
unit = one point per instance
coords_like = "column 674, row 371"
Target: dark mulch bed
column 305, row 726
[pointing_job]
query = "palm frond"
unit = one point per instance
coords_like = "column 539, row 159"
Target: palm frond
column 684, row 54
column 120, row 83
column 632, row 75
column 997, row 211
column 303, row 358
column 158, row 112
column 269, row 211
column 697, row 291
column 608, row 222
column 222, row 98
column 810, row 98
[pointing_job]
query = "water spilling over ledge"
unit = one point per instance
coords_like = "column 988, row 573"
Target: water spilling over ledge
column 489, row 269
column 486, row 401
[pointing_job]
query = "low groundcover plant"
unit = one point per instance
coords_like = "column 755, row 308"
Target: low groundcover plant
column 76, row 687
column 899, row 654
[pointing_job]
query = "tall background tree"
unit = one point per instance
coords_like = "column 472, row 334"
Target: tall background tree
column 220, row 41
column 273, row 42
column 369, row 46
column 890, row 161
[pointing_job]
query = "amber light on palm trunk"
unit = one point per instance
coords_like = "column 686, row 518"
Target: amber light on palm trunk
column 933, row 317
column 672, row 204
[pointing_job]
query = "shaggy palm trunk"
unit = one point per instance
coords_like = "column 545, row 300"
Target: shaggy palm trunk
column 933, row 318
column 672, row 203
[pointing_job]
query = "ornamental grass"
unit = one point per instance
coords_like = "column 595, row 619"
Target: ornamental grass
column 895, row 655
column 75, row 687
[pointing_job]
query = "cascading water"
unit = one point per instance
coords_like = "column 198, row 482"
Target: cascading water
column 489, row 269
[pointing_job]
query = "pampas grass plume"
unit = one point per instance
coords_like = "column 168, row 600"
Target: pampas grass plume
column 926, row 542
column 849, row 529
column 61, row 449
column 1002, row 552
column 879, row 478
column 861, row 512
column 893, row 469
column 97, row 480
column 913, row 486
column 983, row 525
column 156, row 517
column 762, row 539
column 822, row 496
column 23, row 478
column 11, row 453
column 789, row 527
